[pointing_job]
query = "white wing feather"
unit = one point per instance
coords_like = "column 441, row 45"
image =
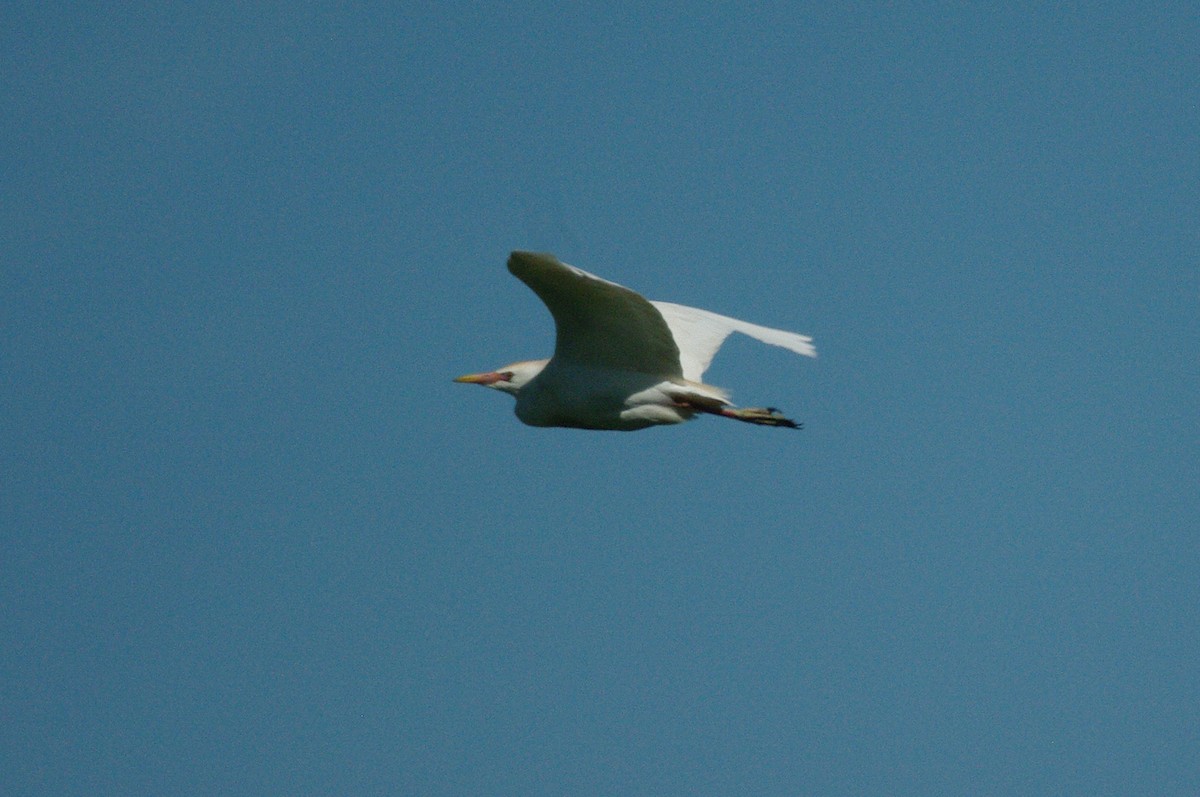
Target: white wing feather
column 599, row 324
column 603, row 324
column 699, row 335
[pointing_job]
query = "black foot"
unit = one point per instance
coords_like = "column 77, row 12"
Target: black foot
column 761, row 417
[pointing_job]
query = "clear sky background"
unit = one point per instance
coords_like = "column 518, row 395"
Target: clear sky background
column 255, row 541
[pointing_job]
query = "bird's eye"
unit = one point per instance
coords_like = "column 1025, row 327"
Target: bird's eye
column 506, row 376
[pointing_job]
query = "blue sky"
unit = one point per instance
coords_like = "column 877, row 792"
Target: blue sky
column 256, row 542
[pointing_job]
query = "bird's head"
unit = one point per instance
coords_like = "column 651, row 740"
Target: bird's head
column 509, row 379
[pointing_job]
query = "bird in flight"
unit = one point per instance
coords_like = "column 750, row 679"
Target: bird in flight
column 622, row 362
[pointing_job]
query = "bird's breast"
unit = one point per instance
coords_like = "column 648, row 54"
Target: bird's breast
column 594, row 398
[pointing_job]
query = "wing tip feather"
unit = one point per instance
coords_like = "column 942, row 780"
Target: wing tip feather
column 522, row 259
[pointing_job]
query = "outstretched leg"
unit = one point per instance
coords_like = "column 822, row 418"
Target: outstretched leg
column 768, row 416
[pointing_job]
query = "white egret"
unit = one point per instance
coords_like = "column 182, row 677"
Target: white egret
column 621, row 362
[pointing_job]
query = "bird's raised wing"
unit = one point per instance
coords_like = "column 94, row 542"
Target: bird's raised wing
column 699, row 334
column 599, row 323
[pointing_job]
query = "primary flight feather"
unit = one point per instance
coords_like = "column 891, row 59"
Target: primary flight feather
column 622, row 362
